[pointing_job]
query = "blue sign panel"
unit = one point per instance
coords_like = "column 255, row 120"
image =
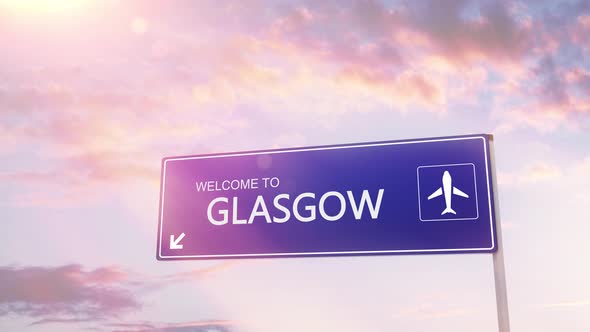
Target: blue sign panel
column 430, row 195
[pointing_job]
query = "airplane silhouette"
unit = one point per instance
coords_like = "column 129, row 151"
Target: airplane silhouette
column 448, row 190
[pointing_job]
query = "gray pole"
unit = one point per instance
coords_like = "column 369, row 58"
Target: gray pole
column 498, row 257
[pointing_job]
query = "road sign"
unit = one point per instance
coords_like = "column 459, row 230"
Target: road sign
column 432, row 195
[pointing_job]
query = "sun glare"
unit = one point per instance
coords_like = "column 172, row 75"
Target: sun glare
column 24, row 7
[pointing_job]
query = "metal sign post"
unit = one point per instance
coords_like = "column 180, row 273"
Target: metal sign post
column 498, row 257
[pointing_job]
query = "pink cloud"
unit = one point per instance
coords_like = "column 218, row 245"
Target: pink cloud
column 80, row 179
column 567, row 304
column 406, row 87
column 548, row 97
column 370, row 34
column 189, row 276
column 431, row 307
column 532, row 174
column 495, row 34
column 583, row 167
column 196, row 326
column 68, row 292
column 580, row 34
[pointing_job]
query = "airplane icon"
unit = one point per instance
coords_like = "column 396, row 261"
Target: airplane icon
column 448, row 190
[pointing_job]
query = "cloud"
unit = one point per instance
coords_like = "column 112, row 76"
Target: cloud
column 583, row 167
column 581, row 32
column 146, row 326
column 509, row 225
column 552, row 93
column 465, row 30
column 342, row 33
column 543, row 120
column 70, row 294
column 532, row 174
column 430, row 311
column 53, row 97
column 357, row 34
column 196, row 326
column 567, row 304
column 67, row 292
column 406, row 88
column 551, row 90
column 548, row 97
column 198, row 273
column 540, row 172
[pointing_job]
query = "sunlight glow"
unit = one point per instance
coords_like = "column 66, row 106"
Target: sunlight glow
column 43, row 6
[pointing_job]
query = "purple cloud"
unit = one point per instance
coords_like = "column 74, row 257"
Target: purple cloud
column 66, row 292
column 71, row 294
column 196, row 326
column 463, row 29
column 371, row 33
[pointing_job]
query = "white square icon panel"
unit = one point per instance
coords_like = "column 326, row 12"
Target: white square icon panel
column 447, row 192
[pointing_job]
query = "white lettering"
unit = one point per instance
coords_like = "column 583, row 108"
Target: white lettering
column 274, row 182
column 201, row 186
column 219, row 214
column 342, row 206
column 222, row 212
column 365, row 199
column 235, row 219
column 255, row 213
column 283, row 209
column 310, row 208
column 225, row 185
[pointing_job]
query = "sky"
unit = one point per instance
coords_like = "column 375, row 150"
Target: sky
column 93, row 94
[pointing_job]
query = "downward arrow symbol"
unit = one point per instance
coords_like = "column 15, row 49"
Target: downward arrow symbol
column 174, row 244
